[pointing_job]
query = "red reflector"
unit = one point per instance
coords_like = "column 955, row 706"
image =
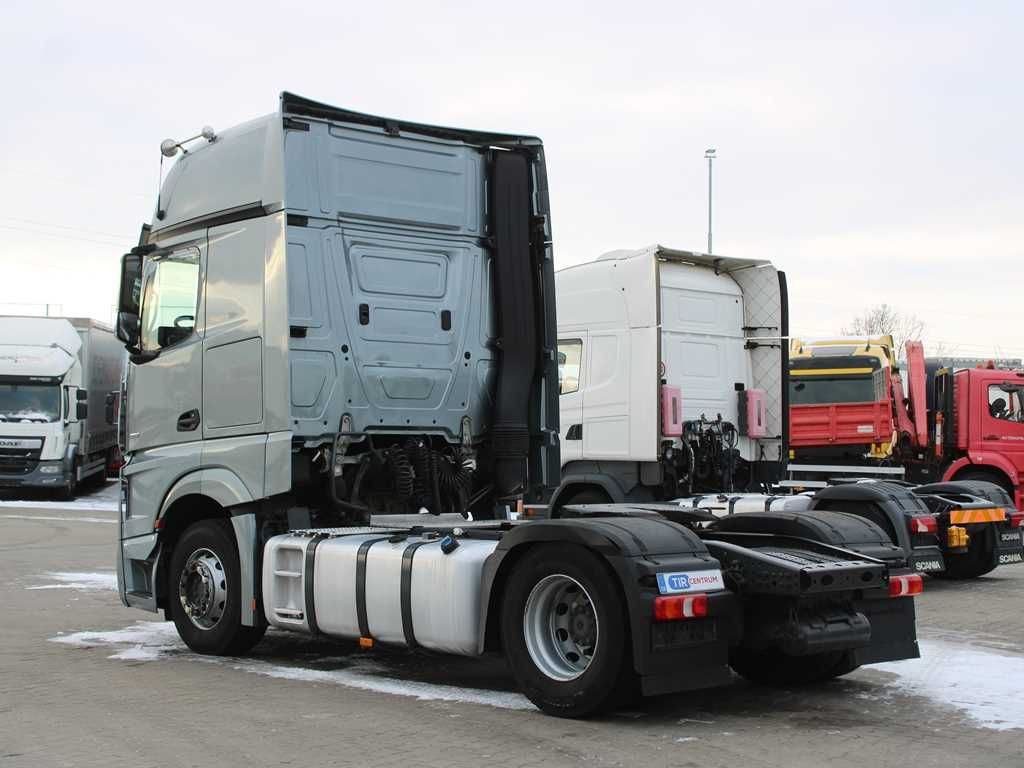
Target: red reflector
column 1017, row 519
column 906, row 585
column 923, row 524
column 678, row 607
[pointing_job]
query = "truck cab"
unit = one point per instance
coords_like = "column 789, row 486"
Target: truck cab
column 977, row 426
column 840, row 407
column 55, row 375
column 672, row 367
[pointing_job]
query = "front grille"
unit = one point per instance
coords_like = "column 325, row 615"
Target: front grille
column 14, row 462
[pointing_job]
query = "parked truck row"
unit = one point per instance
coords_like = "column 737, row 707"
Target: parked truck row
column 960, row 432
column 342, row 405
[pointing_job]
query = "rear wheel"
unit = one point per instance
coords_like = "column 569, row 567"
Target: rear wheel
column 776, row 668
column 563, row 628
column 976, row 561
column 204, row 591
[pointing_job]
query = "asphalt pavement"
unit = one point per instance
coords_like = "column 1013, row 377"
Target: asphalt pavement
column 87, row 682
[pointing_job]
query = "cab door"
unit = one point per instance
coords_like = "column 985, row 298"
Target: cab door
column 1003, row 421
column 164, row 383
column 571, row 374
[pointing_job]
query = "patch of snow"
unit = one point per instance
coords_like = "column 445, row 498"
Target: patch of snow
column 684, row 739
column 356, row 677
column 983, row 684
column 76, row 580
column 84, row 503
column 62, row 519
column 155, row 640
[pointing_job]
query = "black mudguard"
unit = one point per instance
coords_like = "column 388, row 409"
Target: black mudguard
column 890, row 506
column 863, row 621
column 667, row 657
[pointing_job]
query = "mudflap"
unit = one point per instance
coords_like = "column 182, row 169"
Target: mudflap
column 893, row 630
column 926, row 559
column 1009, row 549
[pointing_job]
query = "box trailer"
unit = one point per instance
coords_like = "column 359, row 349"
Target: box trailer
column 56, row 375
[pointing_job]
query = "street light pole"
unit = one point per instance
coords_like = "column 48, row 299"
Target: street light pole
column 710, row 155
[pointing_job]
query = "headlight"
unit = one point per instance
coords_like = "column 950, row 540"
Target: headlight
column 50, row 469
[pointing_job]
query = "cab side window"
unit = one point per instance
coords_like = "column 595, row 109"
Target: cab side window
column 170, row 299
column 1006, row 403
column 570, row 353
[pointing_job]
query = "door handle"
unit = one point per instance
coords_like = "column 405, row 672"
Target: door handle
column 188, row 421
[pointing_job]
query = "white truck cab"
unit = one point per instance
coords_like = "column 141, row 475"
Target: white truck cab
column 55, row 375
column 672, row 366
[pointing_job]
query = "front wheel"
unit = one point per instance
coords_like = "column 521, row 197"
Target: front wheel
column 563, row 628
column 204, row 591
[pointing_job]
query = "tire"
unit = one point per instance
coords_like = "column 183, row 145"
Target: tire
column 212, row 623
column 70, row 490
column 975, row 474
column 977, row 561
column 553, row 581
column 776, row 668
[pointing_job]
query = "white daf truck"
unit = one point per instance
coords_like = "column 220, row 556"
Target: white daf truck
column 56, row 375
column 342, row 396
column 672, row 372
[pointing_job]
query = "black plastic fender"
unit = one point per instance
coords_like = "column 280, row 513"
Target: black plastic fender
column 981, row 488
column 594, row 480
column 838, row 529
column 635, row 548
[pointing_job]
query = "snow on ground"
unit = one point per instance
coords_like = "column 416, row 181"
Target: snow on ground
column 983, row 684
column 155, row 640
column 78, row 580
column 101, row 500
column 63, row 519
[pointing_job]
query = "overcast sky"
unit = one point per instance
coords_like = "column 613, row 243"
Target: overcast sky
column 873, row 150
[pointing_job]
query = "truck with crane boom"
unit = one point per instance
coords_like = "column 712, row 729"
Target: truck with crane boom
column 341, row 404
column 957, row 433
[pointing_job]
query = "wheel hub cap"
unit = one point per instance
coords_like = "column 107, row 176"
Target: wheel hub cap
column 202, row 589
column 560, row 627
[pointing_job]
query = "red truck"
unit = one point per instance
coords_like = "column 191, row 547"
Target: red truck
column 950, row 428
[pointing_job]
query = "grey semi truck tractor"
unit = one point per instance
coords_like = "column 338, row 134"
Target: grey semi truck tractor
column 342, row 402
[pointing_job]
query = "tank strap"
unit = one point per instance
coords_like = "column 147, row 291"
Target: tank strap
column 407, row 629
column 307, row 579
column 364, row 549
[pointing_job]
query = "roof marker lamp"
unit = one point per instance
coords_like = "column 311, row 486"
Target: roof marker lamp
column 169, row 148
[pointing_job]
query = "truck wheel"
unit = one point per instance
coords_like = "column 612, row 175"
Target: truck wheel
column 976, row 561
column 204, row 591
column 70, row 489
column 563, row 629
column 777, row 668
column 975, row 474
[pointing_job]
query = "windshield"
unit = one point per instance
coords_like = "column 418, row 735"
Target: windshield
column 806, row 390
column 29, row 402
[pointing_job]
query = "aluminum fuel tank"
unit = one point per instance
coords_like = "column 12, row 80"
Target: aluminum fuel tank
column 444, row 589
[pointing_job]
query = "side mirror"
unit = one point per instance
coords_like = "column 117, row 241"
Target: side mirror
column 81, row 411
column 129, row 299
column 81, row 395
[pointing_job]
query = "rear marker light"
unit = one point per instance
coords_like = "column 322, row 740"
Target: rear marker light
column 679, row 607
column 906, row 585
column 923, row 524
